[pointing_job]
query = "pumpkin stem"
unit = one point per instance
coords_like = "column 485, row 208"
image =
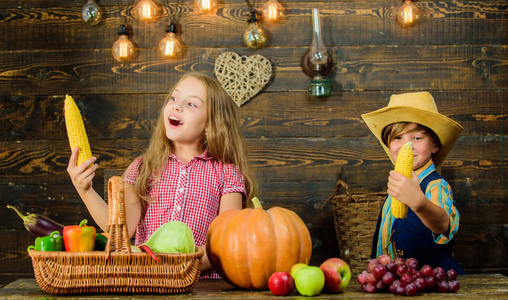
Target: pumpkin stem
column 255, row 201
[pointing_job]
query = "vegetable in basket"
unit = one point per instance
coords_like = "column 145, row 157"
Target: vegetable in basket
column 39, row 225
column 79, row 237
column 149, row 251
column 52, row 242
column 172, row 237
column 101, row 239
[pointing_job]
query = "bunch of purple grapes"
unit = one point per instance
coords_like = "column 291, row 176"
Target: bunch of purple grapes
column 403, row 277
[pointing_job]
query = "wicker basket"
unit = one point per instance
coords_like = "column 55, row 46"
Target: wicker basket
column 355, row 217
column 117, row 269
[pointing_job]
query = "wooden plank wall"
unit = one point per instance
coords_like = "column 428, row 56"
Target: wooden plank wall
column 299, row 146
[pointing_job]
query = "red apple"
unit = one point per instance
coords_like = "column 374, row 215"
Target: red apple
column 281, row 283
column 337, row 275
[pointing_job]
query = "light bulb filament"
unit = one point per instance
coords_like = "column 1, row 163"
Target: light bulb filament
column 273, row 11
column 146, row 11
column 205, row 5
column 169, row 48
column 408, row 15
column 123, row 51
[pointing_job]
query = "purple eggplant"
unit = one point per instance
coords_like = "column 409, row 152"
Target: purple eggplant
column 39, row 225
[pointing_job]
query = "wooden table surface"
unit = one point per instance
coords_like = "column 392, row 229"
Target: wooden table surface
column 475, row 286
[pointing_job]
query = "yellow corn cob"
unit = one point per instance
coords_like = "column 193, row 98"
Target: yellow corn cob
column 403, row 165
column 76, row 130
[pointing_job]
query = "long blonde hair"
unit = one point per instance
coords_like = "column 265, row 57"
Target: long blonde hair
column 223, row 139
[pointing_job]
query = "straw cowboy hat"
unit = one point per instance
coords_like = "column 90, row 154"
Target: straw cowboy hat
column 418, row 108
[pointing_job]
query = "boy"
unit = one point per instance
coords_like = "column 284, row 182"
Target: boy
column 432, row 220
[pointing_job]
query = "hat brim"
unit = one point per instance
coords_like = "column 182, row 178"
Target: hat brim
column 446, row 129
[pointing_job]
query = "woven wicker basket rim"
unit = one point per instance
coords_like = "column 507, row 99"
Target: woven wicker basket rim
column 353, row 215
column 64, row 254
column 111, row 271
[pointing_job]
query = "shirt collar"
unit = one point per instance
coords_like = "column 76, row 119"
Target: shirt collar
column 202, row 156
column 425, row 170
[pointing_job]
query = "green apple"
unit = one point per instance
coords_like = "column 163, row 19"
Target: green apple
column 296, row 267
column 309, row 280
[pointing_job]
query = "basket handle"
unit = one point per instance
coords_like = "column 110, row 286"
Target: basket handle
column 118, row 239
column 336, row 191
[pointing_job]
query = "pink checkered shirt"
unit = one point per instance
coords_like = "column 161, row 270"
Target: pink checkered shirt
column 190, row 194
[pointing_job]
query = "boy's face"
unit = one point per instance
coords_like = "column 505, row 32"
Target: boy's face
column 423, row 145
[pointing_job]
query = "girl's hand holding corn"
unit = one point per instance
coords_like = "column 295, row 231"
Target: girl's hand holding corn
column 82, row 175
column 82, row 165
column 81, row 158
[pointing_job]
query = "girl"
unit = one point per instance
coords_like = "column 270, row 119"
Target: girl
column 195, row 167
column 432, row 220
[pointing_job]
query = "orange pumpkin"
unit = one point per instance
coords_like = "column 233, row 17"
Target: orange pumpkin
column 246, row 246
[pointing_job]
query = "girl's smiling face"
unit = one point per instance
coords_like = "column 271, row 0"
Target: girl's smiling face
column 185, row 113
column 423, row 145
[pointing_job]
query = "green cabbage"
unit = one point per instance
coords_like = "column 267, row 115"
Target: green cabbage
column 172, row 237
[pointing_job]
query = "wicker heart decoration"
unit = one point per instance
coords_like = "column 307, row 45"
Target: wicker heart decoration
column 242, row 77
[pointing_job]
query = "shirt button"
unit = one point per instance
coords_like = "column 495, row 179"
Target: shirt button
column 178, row 207
column 181, row 190
column 184, row 172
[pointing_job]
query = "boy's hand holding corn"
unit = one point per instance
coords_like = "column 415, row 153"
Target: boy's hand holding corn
column 404, row 190
column 400, row 184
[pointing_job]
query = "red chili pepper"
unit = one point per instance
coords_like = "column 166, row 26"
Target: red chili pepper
column 149, row 251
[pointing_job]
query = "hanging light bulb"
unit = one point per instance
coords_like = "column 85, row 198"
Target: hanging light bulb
column 91, row 13
column 408, row 14
column 147, row 10
column 316, row 62
column 123, row 49
column 254, row 37
column 170, row 46
column 206, row 7
column 273, row 11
